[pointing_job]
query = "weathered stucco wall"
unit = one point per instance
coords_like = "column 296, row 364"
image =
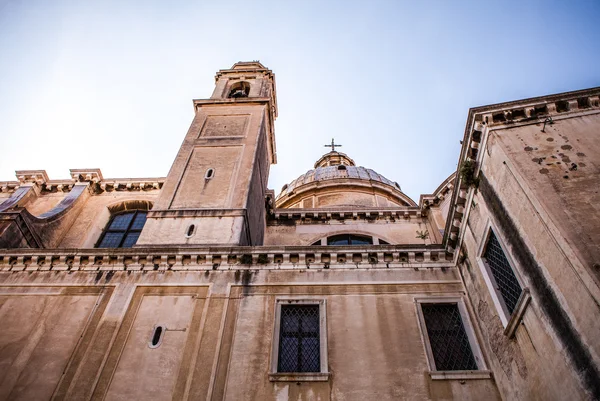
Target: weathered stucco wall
column 540, row 216
column 95, row 215
column 94, row 327
column 399, row 231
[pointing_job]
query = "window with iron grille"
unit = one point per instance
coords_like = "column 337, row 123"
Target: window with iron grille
column 299, row 339
column 448, row 339
column 505, row 280
column 123, row 230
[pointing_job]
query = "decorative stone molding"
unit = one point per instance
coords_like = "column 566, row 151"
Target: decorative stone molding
column 86, row 175
column 144, row 184
column 340, row 213
column 533, row 110
column 109, row 185
column 32, row 176
column 8, row 186
column 201, row 259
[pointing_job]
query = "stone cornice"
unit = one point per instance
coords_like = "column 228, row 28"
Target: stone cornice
column 439, row 194
column 175, row 213
column 82, row 175
column 226, row 258
column 341, row 213
column 590, row 94
column 232, row 101
column 32, row 176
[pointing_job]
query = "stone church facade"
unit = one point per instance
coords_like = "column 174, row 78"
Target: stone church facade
column 205, row 285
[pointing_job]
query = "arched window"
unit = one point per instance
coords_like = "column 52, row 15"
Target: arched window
column 123, row 229
column 349, row 239
column 239, row 89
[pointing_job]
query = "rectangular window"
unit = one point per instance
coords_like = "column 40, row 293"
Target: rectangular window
column 506, row 282
column 299, row 347
column 299, row 341
column 447, row 337
column 450, row 344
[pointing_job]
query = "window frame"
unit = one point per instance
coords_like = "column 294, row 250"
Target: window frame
column 482, row 371
column 128, row 230
column 375, row 240
column 323, row 374
column 510, row 321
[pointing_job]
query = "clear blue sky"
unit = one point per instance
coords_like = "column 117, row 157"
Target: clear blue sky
column 108, row 84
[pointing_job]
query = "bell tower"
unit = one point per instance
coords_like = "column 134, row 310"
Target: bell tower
column 214, row 193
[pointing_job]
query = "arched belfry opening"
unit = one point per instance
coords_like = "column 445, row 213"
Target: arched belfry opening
column 239, row 89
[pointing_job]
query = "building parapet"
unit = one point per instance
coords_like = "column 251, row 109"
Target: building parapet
column 81, row 175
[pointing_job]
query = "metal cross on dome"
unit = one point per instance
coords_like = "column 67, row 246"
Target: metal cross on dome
column 333, row 145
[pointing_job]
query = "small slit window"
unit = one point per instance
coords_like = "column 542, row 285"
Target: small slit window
column 190, row 230
column 210, row 173
column 157, row 335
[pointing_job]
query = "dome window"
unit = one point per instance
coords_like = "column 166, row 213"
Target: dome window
column 342, row 167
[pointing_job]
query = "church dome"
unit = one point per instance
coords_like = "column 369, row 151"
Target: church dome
column 337, row 181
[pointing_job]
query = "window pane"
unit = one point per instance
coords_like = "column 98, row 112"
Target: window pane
column 140, row 220
column 310, row 323
column 360, row 240
column 299, row 343
column 349, row 239
column 338, row 240
column 311, row 355
column 123, row 230
column 290, row 323
column 130, row 240
column 121, row 221
column 288, row 355
column 111, row 240
column 447, row 336
column 507, row 282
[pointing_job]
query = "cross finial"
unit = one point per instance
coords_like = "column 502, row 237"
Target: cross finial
column 333, row 145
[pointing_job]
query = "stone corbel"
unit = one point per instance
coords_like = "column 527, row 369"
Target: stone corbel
column 38, row 177
column 86, row 175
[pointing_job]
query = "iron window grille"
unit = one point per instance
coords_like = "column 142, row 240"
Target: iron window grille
column 299, row 339
column 504, row 276
column 448, row 339
column 123, row 230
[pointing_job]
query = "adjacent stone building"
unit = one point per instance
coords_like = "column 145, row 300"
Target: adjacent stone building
column 205, row 285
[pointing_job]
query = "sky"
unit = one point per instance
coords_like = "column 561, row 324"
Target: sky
column 109, row 84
